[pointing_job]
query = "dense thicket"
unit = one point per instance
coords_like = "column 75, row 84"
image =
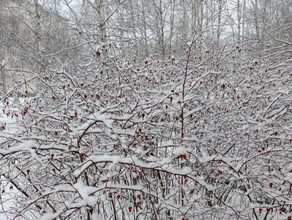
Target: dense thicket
column 111, row 132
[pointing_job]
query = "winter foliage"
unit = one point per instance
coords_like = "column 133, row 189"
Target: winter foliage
column 197, row 134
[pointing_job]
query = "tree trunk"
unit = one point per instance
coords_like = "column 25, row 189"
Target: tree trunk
column 101, row 16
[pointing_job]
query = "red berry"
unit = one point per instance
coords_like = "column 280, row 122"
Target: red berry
column 182, row 156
